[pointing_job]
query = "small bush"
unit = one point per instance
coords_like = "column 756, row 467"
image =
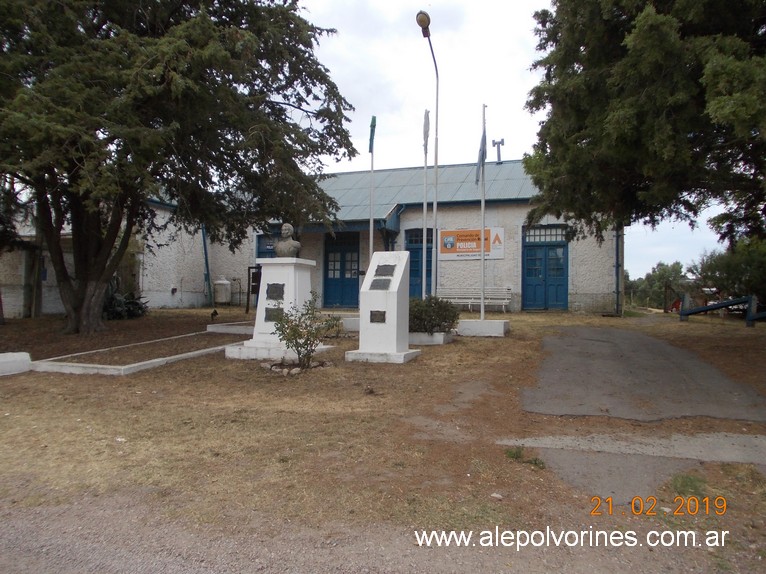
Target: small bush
column 433, row 315
column 302, row 330
column 119, row 306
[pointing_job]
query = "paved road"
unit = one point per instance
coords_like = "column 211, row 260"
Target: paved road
column 625, row 374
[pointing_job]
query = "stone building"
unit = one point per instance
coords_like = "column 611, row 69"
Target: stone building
column 534, row 267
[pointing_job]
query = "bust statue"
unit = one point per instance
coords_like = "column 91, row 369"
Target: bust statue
column 286, row 246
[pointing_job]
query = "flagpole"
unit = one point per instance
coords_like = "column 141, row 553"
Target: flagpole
column 483, row 195
column 372, row 187
column 426, row 127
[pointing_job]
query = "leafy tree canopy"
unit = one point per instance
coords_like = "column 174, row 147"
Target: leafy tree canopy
column 655, row 110
column 658, row 288
column 217, row 106
column 736, row 272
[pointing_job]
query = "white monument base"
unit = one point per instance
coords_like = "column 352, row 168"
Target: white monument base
column 248, row 351
column 372, row 357
column 285, row 285
column 486, row 328
column 384, row 311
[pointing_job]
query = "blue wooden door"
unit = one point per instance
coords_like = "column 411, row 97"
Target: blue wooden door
column 533, row 291
column 414, row 244
column 556, row 288
column 341, row 273
column 545, row 277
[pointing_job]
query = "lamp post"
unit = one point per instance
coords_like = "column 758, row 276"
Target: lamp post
column 424, row 21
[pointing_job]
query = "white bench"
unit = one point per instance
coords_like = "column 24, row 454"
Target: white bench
column 470, row 296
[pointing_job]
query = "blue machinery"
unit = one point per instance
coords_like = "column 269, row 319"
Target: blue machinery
column 751, row 302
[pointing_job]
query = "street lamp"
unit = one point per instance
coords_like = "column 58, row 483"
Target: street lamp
column 424, row 21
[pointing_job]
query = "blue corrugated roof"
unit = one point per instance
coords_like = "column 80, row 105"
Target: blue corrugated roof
column 505, row 181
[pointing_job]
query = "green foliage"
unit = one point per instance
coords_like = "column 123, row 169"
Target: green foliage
column 118, row 306
column 688, row 485
column 658, row 288
column 654, row 109
column 433, row 315
column 734, row 273
column 517, row 454
column 302, row 330
column 220, row 108
column 333, row 326
column 122, row 306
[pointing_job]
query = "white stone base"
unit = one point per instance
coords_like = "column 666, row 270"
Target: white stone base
column 479, row 328
column 12, row 363
column 434, row 339
column 248, row 351
column 372, row 357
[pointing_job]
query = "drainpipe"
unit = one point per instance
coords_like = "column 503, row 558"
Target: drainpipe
column 207, row 268
column 617, row 271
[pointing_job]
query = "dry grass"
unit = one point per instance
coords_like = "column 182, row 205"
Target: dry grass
column 210, row 439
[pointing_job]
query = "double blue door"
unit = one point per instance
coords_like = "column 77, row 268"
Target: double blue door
column 545, row 277
column 341, row 273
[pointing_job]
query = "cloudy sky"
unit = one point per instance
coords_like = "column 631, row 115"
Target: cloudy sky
column 484, row 50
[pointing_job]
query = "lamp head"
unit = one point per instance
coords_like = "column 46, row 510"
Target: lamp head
column 424, row 21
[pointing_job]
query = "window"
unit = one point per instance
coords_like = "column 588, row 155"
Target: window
column 545, row 234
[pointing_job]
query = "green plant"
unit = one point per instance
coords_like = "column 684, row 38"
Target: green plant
column 688, row 484
column 119, row 306
column 333, row 326
column 302, row 330
column 432, row 315
column 516, row 453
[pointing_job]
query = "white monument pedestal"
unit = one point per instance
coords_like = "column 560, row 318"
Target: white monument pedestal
column 384, row 311
column 285, row 283
column 483, row 328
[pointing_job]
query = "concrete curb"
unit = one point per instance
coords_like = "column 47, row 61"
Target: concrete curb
column 52, row 366
column 12, row 363
column 707, row 447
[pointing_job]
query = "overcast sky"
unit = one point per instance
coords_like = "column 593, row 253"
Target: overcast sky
column 383, row 66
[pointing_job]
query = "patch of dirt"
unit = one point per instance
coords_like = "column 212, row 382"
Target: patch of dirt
column 215, row 465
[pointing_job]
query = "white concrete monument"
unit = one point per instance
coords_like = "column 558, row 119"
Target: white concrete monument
column 384, row 311
column 285, row 283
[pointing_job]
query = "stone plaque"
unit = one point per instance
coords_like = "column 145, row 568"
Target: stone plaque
column 380, row 284
column 273, row 314
column 377, row 316
column 275, row 291
column 385, row 270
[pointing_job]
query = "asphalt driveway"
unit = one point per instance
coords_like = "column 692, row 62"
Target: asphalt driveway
column 626, row 374
column 611, row 372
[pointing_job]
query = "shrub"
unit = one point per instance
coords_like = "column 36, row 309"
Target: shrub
column 119, row 306
column 433, row 315
column 302, row 330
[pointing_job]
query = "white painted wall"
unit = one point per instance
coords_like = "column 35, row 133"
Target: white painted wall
column 591, row 268
column 11, row 283
column 173, row 275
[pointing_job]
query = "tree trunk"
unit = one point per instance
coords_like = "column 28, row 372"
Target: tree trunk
column 2, row 313
column 86, row 316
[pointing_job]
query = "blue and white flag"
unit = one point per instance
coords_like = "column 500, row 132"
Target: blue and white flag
column 426, row 129
column 482, row 153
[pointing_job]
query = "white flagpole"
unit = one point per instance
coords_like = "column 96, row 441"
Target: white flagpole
column 483, row 195
column 426, row 127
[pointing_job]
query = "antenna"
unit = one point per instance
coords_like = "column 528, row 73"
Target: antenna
column 497, row 144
